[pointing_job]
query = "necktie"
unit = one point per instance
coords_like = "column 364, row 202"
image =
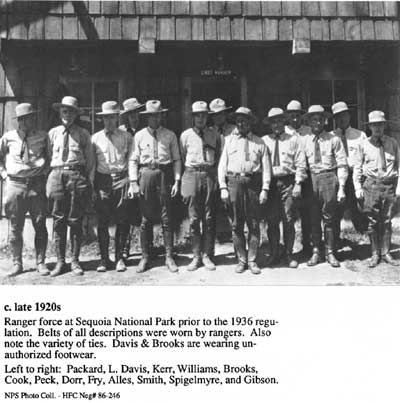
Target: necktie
column 24, row 150
column 276, row 162
column 246, row 149
column 382, row 158
column 221, row 130
column 131, row 131
column 317, row 151
column 155, row 146
column 65, row 150
column 344, row 141
column 201, row 134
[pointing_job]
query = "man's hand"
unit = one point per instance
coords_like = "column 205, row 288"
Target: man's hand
column 3, row 174
column 175, row 189
column 359, row 194
column 398, row 192
column 133, row 190
column 296, row 193
column 341, row 195
column 263, row 196
column 225, row 195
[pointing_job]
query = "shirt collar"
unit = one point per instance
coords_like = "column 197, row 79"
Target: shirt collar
column 151, row 131
column 197, row 131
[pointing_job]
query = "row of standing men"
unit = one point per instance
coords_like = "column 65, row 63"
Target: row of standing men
column 125, row 171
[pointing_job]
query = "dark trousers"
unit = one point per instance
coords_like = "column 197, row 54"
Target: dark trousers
column 280, row 207
column 20, row 199
column 358, row 218
column 244, row 207
column 305, row 211
column 111, row 201
column 323, row 204
column 199, row 190
column 69, row 192
column 155, row 204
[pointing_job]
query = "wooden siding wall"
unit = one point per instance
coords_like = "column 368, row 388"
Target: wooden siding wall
column 199, row 20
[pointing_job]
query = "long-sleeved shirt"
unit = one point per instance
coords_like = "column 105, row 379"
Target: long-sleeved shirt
column 354, row 138
column 247, row 154
column 24, row 156
column 291, row 155
column 80, row 149
column 112, row 150
column 162, row 149
column 197, row 151
column 367, row 160
column 333, row 154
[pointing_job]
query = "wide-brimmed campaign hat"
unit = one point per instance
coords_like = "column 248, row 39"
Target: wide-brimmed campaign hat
column 339, row 107
column 376, row 117
column 274, row 113
column 70, row 102
column 131, row 104
column 294, row 106
column 24, row 109
column 199, row 107
column 109, row 108
column 218, row 105
column 316, row 110
column 153, row 106
column 243, row 111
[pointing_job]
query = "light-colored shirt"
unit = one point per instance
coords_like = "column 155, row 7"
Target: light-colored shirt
column 301, row 131
column 333, row 154
column 33, row 161
column 128, row 129
column 234, row 158
column 80, row 149
column 354, row 138
column 367, row 160
column 197, row 151
column 291, row 156
column 162, row 148
column 112, row 150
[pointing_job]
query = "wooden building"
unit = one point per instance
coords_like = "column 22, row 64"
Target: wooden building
column 181, row 51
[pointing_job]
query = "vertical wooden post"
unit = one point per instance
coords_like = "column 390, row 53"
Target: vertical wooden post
column 186, row 99
column 243, row 90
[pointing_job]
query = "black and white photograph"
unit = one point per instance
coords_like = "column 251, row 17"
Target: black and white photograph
column 199, row 143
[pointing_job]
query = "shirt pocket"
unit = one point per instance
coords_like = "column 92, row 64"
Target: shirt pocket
column 146, row 150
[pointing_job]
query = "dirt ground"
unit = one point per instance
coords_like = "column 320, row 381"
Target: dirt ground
column 353, row 270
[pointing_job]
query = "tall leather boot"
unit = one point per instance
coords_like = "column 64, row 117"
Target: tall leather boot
column 289, row 235
column 144, row 263
column 330, row 247
column 41, row 246
column 208, row 246
column 374, row 260
column 76, row 243
column 127, row 246
column 60, row 243
column 385, row 245
column 240, row 247
column 16, row 253
column 169, row 258
column 254, row 241
column 273, row 239
column 104, row 244
column 121, row 235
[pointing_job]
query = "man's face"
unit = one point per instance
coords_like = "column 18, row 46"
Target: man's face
column 133, row 119
column 67, row 116
column 317, row 123
column 277, row 125
column 294, row 119
column 377, row 129
column 243, row 124
column 200, row 120
column 110, row 122
column 219, row 119
column 342, row 120
column 26, row 123
column 154, row 120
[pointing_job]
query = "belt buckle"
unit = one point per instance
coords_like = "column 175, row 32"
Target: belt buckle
column 114, row 175
column 154, row 165
column 243, row 174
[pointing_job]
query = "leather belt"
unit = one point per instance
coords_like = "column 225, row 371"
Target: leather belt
column 200, row 169
column 242, row 174
column 27, row 180
column 70, row 167
column 154, row 165
column 324, row 171
column 385, row 181
column 115, row 175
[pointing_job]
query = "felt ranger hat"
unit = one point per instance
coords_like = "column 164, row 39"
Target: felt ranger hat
column 218, row 105
column 243, row 111
column 316, row 110
column 153, row 106
column 130, row 104
column 294, row 106
column 339, row 107
column 70, row 102
column 109, row 108
column 24, row 109
column 199, row 107
column 376, row 117
column 274, row 113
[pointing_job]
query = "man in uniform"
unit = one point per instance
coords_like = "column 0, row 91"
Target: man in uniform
column 288, row 172
column 295, row 126
column 69, row 185
column 130, row 116
column 112, row 147
column 244, row 176
column 351, row 139
column 155, row 173
column 378, row 159
column 327, row 160
column 200, row 150
column 24, row 161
